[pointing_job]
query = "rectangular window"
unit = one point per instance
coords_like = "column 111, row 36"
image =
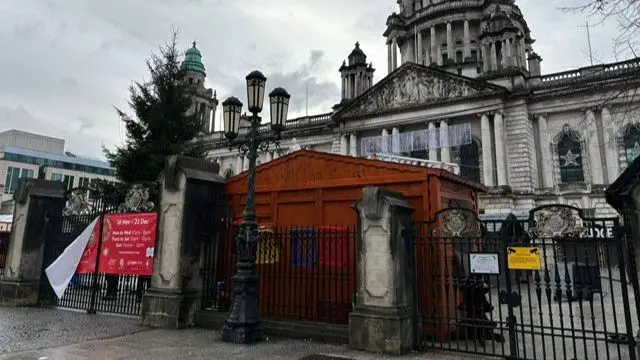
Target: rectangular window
column 68, row 182
column 26, row 173
column 474, row 55
column 459, row 56
column 56, row 177
column 11, row 182
column 84, row 182
column 445, row 58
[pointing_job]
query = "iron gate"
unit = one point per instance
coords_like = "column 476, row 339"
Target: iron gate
column 570, row 297
column 95, row 291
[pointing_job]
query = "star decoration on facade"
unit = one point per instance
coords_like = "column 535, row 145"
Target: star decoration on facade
column 570, row 159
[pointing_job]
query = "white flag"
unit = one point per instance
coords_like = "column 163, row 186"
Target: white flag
column 62, row 269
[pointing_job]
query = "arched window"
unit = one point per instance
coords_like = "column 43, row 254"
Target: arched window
column 631, row 141
column 470, row 161
column 570, row 155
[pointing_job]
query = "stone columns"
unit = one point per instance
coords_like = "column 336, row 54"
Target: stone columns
column 505, row 59
column 190, row 215
column 450, row 53
column 593, row 146
column 389, row 57
column 344, row 145
column 545, row 152
column 394, row 53
column 522, row 54
column 269, row 156
column 381, row 321
column 434, row 51
column 385, row 141
column 510, row 56
column 37, row 218
column 485, row 58
column 245, row 163
column 353, row 141
column 395, row 140
column 487, row 153
column 420, row 51
column 445, row 150
column 501, row 161
column 610, row 152
column 466, row 42
column 494, row 56
column 239, row 164
column 433, row 149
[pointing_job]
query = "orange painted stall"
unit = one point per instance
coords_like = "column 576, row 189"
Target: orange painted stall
column 310, row 190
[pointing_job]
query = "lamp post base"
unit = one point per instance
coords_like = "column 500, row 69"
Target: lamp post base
column 242, row 333
column 243, row 326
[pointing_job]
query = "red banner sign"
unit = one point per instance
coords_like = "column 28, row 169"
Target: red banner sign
column 128, row 244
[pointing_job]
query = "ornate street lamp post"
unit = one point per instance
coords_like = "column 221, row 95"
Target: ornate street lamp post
column 243, row 323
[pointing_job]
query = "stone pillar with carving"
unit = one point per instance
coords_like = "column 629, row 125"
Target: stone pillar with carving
column 37, row 218
column 381, row 321
column 191, row 210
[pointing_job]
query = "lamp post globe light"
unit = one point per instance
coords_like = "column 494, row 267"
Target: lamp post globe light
column 243, row 322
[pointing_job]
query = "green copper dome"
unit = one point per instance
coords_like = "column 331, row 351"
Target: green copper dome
column 193, row 60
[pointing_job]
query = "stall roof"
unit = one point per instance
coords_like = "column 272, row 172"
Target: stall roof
column 306, row 167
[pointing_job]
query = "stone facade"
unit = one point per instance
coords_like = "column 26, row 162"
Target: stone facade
column 534, row 139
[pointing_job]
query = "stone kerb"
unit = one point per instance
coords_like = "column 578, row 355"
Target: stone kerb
column 190, row 192
column 37, row 218
column 382, row 320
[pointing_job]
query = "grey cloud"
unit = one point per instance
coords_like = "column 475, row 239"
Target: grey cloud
column 69, row 81
column 85, row 123
column 304, row 85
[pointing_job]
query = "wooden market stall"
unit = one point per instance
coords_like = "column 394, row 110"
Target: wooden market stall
column 308, row 189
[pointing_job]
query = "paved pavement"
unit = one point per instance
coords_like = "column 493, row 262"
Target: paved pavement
column 49, row 334
column 200, row 344
column 36, row 328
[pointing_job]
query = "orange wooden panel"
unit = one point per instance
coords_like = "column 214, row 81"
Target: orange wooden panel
column 338, row 213
column 290, row 214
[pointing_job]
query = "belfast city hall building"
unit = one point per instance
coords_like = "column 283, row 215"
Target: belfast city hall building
column 465, row 92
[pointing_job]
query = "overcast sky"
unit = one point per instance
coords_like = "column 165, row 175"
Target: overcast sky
column 65, row 64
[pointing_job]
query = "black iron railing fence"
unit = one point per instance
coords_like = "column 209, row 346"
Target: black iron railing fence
column 306, row 272
column 538, row 288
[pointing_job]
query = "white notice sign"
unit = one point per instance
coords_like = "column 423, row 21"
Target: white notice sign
column 484, row 263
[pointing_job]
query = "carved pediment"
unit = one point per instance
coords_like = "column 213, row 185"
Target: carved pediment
column 415, row 85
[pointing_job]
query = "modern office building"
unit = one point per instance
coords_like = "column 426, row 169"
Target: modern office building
column 24, row 154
